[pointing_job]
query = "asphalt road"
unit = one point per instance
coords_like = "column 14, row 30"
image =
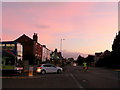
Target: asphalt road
column 72, row 77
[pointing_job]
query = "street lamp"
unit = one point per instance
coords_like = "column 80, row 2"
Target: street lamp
column 61, row 45
column 61, row 51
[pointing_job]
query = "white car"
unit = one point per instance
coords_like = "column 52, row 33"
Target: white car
column 48, row 68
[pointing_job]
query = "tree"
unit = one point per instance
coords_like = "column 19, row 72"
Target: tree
column 80, row 60
column 56, row 57
column 104, row 59
column 69, row 60
column 90, row 59
column 116, row 51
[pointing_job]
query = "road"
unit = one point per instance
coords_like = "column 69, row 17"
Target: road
column 72, row 77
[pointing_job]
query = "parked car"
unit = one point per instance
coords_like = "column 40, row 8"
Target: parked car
column 48, row 68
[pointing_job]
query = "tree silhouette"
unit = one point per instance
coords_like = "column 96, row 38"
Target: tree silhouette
column 116, row 51
column 80, row 60
column 90, row 59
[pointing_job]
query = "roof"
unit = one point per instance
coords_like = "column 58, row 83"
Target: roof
column 9, row 42
column 23, row 36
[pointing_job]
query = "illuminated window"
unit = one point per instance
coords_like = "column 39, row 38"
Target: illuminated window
column 7, row 45
column 2, row 45
column 10, row 45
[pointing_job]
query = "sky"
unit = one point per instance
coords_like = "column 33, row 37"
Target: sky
column 87, row 27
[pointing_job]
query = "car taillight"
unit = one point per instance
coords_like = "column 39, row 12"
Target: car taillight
column 18, row 68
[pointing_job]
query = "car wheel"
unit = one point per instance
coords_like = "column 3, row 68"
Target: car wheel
column 43, row 72
column 59, row 71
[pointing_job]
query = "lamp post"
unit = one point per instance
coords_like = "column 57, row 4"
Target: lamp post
column 61, row 50
column 61, row 45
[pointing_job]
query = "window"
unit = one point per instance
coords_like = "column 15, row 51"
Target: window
column 47, row 65
column 10, row 48
column 2, row 45
column 9, row 61
column 53, row 66
column 10, row 45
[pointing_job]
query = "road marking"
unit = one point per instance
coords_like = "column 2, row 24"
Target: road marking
column 76, row 81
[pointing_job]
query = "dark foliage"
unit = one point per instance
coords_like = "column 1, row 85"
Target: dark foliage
column 80, row 60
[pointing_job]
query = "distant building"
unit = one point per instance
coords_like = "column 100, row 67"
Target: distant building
column 97, row 57
column 106, row 53
column 103, row 59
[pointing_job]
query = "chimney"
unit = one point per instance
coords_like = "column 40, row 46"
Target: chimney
column 35, row 37
column 44, row 46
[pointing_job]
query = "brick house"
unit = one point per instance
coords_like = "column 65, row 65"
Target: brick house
column 32, row 50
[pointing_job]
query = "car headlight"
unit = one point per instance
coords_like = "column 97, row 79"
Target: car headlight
column 38, row 70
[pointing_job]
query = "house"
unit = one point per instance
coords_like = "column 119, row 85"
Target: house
column 45, row 54
column 32, row 50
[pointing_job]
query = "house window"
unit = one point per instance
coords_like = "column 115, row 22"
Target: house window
column 2, row 45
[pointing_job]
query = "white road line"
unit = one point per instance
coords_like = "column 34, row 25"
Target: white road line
column 76, row 81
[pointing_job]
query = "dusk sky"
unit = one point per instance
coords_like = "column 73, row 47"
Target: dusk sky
column 87, row 27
